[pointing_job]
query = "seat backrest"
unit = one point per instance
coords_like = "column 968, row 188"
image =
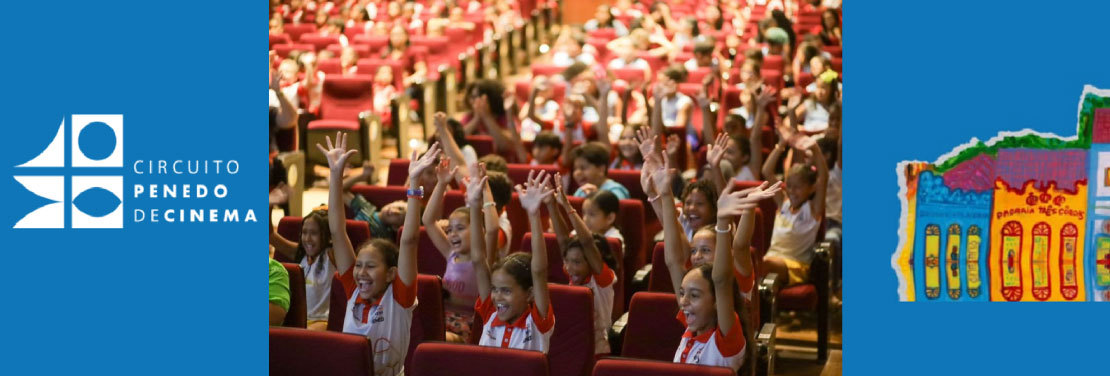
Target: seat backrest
column 545, row 69
column 572, row 343
column 344, row 97
column 337, row 306
column 444, row 359
column 555, row 272
column 297, row 315
column 358, row 231
column 319, row 42
column 772, row 62
column 631, row 220
column 428, row 259
column 660, row 278
column 375, row 42
column 482, row 144
column 380, row 196
column 623, row 367
column 362, row 50
column 629, row 179
column 297, row 352
column 427, row 319
column 370, row 67
column 283, row 50
column 629, row 74
column 652, row 331
column 278, row 39
column 398, row 171
column 330, row 66
column 296, row 30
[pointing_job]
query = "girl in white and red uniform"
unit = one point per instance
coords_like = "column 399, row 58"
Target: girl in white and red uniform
column 513, row 299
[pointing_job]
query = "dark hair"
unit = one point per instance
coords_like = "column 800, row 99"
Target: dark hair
column 320, row 216
column 676, row 72
column 706, row 188
column 805, row 171
column 639, row 155
column 606, row 201
column 501, row 187
column 387, row 248
column 574, row 70
column 720, row 23
column 517, row 265
column 493, row 90
column 457, row 132
column 835, row 17
column 809, row 50
column 495, row 163
column 786, row 25
column 548, row 138
column 828, row 145
column 754, row 54
column 595, row 153
column 602, row 247
column 334, row 21
column 743, row 143
column 694, row 29
column 703, row 47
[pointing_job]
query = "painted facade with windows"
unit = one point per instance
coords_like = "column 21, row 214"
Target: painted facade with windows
column 1024, row 216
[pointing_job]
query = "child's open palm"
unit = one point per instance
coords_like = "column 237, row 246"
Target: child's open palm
column 534, row 190
column 716, row 150
column 337, row 153
column 444, row 171
column 429, row 159
column 476, row 186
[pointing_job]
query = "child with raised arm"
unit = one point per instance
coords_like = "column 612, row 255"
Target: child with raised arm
column 381, row 286
column 589, row 262
column 801, row 209
column 514, row 297
column 454, row 244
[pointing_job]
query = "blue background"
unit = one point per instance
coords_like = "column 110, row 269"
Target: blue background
column 190, row 80
column 922, row 78
column 188, row 298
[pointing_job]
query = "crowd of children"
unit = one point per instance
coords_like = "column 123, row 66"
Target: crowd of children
column 697, row 97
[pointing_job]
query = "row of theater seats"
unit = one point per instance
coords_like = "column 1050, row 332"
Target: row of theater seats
column 296, row 352
column 346, row 103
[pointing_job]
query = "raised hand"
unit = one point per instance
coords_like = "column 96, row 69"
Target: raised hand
column 732, row 204
column 673, row 142
column 716, row 150
column 337, row 153
column 702, row 97
column 444, row 171
column 661, row 177
column 603, row 87
column 440, row 120
column 645, row 139
column 534, row 190
column 588, row 189
column 765, row 97
column 560, row 194
column 476, row 186
column 275, row 81
column 429, row 159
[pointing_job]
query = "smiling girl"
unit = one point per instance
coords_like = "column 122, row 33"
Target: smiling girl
column 514, row 302
column 381, row 286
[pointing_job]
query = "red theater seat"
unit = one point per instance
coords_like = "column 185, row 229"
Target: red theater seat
column 278, row 39
column 652, row 331
column 297, row 315
column 361, row 49
column 443, row 359
column 283, row 50
column 374, row 42
column 398, row 172
column 629, row 179
column 546, row 69
column 296, row 30
column 518, row 172
column 773, row 62
column 555, row 272
column 659, row 280
column 572, row 343
column 370, row 67
column 358, row 231
column 300, row 352
column 631, row 219
column 629, row 367
column 319, row 42
column 630, row 74
column 482, row 144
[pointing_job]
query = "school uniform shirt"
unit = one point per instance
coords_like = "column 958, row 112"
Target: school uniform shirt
column 794, row 233
column 602, row 286
column 609, row 185
column 386, row 322
column 612, row 232
column 745, row 174
column 817, row 117
column 529, row 332
column 671, row 107
column 317, row 285
column 712, row 348
column 506, row 232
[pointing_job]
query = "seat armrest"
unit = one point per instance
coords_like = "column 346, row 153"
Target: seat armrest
column 765, row 350
column 768, row 290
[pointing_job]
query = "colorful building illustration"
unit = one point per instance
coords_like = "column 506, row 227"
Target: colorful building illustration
column 1011, row 219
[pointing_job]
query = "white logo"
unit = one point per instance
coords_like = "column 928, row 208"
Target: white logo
column 96, row 200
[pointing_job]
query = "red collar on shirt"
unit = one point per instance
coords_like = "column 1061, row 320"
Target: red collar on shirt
column 703, row 338
column 520, row 323
column 367, row 306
